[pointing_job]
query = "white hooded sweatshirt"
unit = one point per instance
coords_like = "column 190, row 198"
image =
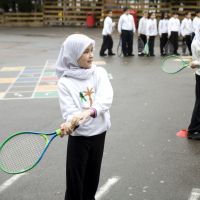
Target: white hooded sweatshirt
column 196, row 48
column 81, row 88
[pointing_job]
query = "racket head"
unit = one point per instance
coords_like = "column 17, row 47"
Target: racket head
column 140, row 45
column 173, row 64
column 168, row 48
column 119, row 47
column 22, row 151
column 184, row 47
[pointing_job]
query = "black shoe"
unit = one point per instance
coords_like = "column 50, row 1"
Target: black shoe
column 103, row 54
column 152, row 55
column 177, row 54
column 131, row 54
column 111, row 54
column 125, row 55
column 163, row 54
column 194, row 136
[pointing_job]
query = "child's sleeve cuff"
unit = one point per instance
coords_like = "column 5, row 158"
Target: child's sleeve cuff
column 93, row 112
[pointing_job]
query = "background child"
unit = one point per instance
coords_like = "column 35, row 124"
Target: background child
column 85, row 96
column 151, row 31
column 142, row 30
column 174, row 32
column 107, row 44
column 163, row 32
column 126, row 29
column 186, row 31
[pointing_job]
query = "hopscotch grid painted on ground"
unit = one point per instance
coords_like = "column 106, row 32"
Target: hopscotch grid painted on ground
column 11, row 85
column 42, row 86
column 40, row 82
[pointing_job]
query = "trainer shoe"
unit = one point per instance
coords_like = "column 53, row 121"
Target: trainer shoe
column 103, row 54
column 111, row 54
column 194, row 136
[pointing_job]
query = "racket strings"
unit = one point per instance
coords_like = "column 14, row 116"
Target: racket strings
column 172, row 65
column 21, row 152
column 140, row 45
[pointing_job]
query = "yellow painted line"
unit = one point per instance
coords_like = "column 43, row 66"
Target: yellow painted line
column 45, row 88
column 7, row 80
column 10, row 69
column 186, row 57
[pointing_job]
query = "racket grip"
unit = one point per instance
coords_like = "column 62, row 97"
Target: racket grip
column 58, row 131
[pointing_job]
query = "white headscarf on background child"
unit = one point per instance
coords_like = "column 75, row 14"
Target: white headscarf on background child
column 71, row 50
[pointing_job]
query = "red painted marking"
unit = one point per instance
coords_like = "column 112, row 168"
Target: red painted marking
column 182, row 133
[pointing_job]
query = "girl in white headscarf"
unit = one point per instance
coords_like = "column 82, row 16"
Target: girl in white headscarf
column 85, row 96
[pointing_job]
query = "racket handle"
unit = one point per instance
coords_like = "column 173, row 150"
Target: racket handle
column 58, row 131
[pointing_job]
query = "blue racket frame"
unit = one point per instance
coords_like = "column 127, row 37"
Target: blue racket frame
column 48, row 142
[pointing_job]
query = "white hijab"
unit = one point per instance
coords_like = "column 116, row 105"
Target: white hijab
column 71, row 50
column 197, row 34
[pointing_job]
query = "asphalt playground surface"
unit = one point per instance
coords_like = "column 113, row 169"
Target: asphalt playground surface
column 142, row 151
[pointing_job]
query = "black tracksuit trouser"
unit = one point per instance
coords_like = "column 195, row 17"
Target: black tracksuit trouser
column 84, row 156
column 107, row 44
column 195, row 120
column 127, row 42
column 188, row 40
column 174, row 41
column 163, row 41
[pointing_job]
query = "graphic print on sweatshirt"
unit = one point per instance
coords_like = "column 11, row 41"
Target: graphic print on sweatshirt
column 87, row 97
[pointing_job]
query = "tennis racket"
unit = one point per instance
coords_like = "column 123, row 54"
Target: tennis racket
column 184, row 47
column 22, row 151
column 140, row 45
column 168, row 48
column 173, row 64
column 119, row 47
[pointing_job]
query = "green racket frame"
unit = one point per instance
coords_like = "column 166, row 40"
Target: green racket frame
column 47, row 141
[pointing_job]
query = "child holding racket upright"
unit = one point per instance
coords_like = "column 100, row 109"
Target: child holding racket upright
column 85, row 96
column 194, row 127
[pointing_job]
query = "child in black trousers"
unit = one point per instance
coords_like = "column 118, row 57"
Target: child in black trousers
column 85, row 96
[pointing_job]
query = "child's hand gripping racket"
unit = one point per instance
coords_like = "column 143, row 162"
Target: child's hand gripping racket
column 174, row 64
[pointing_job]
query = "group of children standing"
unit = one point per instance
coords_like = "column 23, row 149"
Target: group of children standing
column 169, row 28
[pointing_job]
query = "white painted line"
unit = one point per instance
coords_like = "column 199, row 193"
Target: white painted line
column 12, row 84
column 39, row 80
column 195, row 194
column 10, row 181
column 106, row 187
